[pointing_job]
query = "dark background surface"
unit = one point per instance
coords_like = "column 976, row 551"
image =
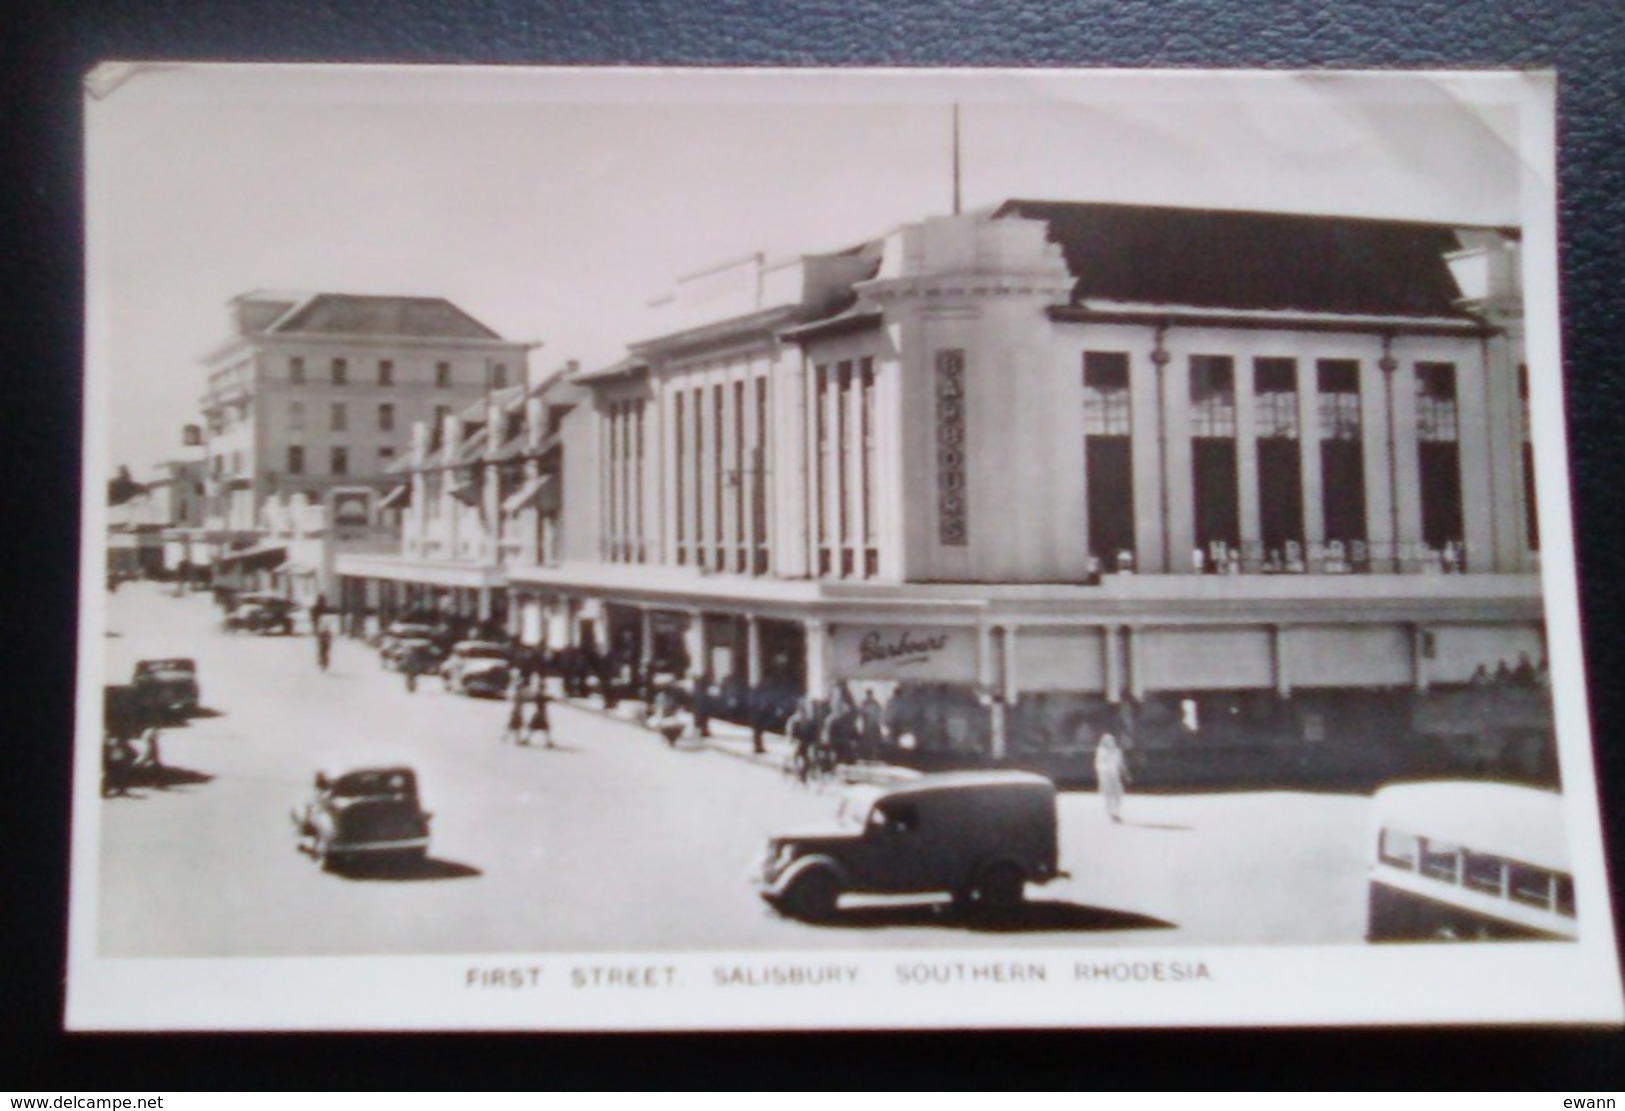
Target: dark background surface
column 46, row 47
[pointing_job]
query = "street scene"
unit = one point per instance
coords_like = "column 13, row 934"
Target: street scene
column 591, row 519
column 611, row 840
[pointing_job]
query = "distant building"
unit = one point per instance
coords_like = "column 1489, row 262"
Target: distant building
column 315, row 397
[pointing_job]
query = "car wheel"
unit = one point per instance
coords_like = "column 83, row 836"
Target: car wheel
column 1002, row 887
column 813, row 895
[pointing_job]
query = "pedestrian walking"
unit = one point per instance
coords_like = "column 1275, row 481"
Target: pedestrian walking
column 539, row 723
column 516, row 731
column 1111, row 775
column 702, row 703
column 324, row 647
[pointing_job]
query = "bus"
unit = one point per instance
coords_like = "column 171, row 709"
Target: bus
column 1469, row 861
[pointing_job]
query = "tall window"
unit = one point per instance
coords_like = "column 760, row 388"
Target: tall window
column 1530, row 516
column 637, row 479
column 296, row 370
column 1280, row 462
column 739, row 478
column 341, row 372
column 386, row 417
column 499, row 376
column 296, row 416
column 340, row 460
column 719, row 464
column 442, row 375
column 1213, row 456
column 612, row 482
column 820, row 483
column 758, row 476
column 339, row 418
column 843, row 449
column 296, row 459
column 866, row 434
column 386, row 456
column 1438, row 454
column 1342, row 472
column 680, row 478
column 386, row 372
column 953, row 529
column 1108, row 460
column 698, row 398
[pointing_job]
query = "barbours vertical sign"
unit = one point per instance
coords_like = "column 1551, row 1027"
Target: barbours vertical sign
column 952, row 527
column 928, row 653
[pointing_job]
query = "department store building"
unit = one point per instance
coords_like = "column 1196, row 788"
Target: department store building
column 1069, row 467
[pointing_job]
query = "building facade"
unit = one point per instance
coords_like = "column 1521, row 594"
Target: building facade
column 477, row 495
column 315, row 397
column 1041, row 471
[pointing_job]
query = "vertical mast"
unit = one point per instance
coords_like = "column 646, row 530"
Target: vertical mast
column 956, row 159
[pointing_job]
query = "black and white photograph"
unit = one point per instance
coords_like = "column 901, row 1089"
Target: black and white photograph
column 607, row 549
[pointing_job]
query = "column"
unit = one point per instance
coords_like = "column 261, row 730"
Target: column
column 1112, row 663
column 1136, row 663
column 1314, row 511
column 1421, row 643
column 1407, row 474
column 1146, row 448
column 1377, row 448
column 646, row 639
column 1012, row 681
column 817, row 657
column 1283, row 660
column 482, row 603
column 1178, row 481
column 694, row 642
column 753, row 650
column 1247, row 507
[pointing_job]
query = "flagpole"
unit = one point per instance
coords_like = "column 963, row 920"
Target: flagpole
column 956, row 159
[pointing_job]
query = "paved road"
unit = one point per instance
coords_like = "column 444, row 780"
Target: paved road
column 611, row 842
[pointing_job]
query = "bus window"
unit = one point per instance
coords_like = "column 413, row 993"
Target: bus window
column 1398, row 849
column 1565, row 895
column 1531, row 885
column 1483, row 873
column 1439, row 860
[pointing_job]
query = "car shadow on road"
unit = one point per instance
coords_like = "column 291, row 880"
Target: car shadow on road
column 1045, row 916
column 406, row 869
column 206, row 712
column 160, row 777
column 1156, row 825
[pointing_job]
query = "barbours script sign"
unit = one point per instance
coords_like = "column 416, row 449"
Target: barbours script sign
column 905, row 652
column 906, row 648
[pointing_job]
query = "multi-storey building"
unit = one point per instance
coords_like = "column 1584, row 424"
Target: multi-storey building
column 316, row 395
column 1071, row 467
column 476, row 495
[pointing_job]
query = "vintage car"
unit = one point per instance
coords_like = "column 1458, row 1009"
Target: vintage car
column 365, row 813
column 261, row 613
column 168, row 688
column 409, row 637
column 979, row 836
column 477, row 667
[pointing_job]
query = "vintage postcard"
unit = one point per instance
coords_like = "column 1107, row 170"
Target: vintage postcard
column 658, row 550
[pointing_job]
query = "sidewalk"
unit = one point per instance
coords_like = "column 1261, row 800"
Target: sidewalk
column 733, row 740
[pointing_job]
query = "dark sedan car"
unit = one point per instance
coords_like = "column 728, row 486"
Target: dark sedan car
column 168, row 688
column 364, row 814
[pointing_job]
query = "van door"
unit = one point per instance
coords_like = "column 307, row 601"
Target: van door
column 896, row 860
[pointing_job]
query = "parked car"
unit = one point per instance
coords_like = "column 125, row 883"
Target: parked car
column 169, row 688
column 261, row 613
column 979, row 836
column 369, row 812
column 477, row 667
column 402, row 635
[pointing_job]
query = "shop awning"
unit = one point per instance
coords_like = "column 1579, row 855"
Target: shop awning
column 530, row 494
column 398, row 498
column 263, row 557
